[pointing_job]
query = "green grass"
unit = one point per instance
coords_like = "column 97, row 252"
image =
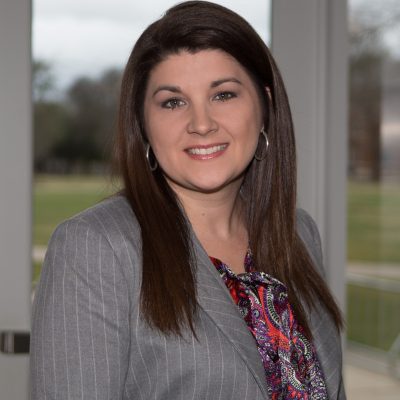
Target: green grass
column 373, row 218
column 373, row 212
column 37, row 267
column 373, row 316
column 373, row 236
column 57, row 198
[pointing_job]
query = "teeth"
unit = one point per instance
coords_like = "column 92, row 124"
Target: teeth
column 207, row 151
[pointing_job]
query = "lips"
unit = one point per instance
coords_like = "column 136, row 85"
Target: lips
column 206, row 152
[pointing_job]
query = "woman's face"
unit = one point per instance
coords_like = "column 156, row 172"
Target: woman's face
column 203, row 119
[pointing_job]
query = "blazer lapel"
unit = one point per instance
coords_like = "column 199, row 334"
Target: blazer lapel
column 327, row 344
column 326, row 338
column 215, row 299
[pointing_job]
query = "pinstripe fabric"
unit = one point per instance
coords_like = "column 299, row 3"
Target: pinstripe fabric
column 89, row 341
column 326, row 340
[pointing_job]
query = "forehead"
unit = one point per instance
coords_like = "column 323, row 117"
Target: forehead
column 202, row 66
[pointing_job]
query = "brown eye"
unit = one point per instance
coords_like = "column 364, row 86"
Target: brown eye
column 224, row 96
column 172, row 103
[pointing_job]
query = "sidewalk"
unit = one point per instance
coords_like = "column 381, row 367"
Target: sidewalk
column 38, row 253
column 378, row 270
column 367, row 376
column 362, row 384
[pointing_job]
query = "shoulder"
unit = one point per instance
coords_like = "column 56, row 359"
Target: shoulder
column 306, row 226
column 113, row 218
column 110, row 225
column 114, row 213
column 326, row 337
column 308, row 232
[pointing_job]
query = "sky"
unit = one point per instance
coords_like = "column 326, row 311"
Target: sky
column 385, row 13
column 86, row 37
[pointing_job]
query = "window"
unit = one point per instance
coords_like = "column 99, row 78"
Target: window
column 79, row 52
column 373, row 275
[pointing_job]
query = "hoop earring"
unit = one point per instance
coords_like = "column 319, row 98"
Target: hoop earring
column 262, row 157
column 155, row 165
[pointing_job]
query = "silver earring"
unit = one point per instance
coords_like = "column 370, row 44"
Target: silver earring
column 262, row 157
column 155, row 165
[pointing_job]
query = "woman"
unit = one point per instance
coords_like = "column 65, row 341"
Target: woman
column 199, row 280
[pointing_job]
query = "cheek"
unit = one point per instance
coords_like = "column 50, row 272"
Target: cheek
column 252, row 144
column 249, row 137
column 163, row 143
column 161, row 129
column 158, row 141
column 247, row 126
column 154, row 130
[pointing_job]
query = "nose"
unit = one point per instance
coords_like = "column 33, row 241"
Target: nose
column 201, row 121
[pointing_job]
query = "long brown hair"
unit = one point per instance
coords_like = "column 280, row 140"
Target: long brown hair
column 269, row 187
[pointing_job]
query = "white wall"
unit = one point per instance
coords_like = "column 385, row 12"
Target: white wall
column 309, row 41
column 15, row 187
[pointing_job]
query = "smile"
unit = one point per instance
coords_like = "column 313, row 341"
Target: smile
column 206, row 151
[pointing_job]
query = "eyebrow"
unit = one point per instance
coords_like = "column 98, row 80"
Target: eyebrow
column 224, row 80
column 169, row 88
column 177, row 89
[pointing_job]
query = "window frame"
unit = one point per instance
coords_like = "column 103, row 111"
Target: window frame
column 309, row 42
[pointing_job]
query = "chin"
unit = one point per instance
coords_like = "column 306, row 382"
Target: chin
column 213, row 186
column 206, row 183
column 209, row 189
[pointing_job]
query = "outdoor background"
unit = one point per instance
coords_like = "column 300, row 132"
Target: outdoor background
column 76, row 80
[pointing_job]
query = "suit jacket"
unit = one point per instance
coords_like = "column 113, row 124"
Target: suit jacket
column 89, row 340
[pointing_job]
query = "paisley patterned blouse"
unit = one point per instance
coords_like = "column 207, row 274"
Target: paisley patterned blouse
column 291, row 365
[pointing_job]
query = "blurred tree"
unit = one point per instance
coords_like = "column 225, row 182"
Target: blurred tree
column 42, row 80
column 49, row 115
column 368, row 22
column 92, row 106
column 365, row 106
column 50, row 122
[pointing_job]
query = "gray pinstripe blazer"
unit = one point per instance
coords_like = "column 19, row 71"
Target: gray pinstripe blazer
column 89, row 342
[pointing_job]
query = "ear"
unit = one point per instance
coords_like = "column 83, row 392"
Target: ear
column 268, row 90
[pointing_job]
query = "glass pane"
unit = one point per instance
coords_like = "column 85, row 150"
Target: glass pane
column 79, row 51
column 373, row 278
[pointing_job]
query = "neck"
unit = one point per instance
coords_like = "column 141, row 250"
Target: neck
column 219, row 215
